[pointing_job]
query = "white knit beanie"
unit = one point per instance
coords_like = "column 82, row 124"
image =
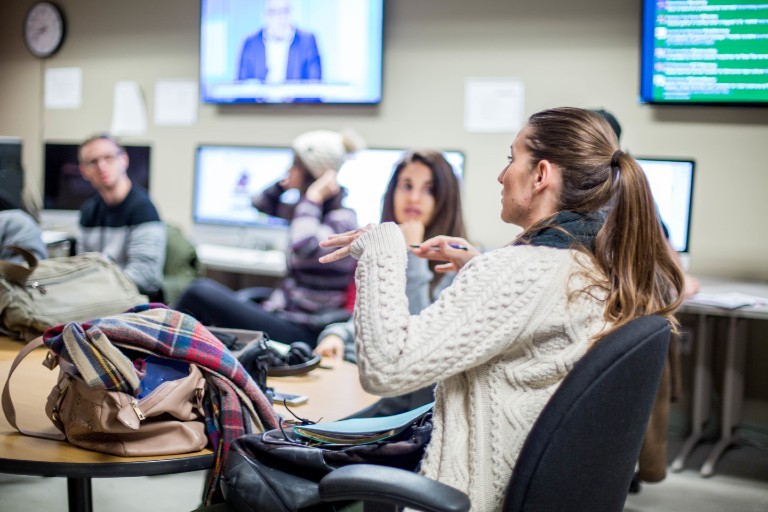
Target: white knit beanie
column 321, row 150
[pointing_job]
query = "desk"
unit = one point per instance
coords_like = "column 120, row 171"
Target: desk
column 733, row 379
column 242, row 260
column 333, row 394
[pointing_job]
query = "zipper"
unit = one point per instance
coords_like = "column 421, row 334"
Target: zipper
column 135, row 405
column 37, row 286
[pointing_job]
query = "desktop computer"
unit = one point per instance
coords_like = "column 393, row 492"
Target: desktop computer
column 671, row 182
column 11, row 172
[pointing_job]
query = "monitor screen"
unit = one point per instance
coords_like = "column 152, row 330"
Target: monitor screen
column 66, row 189
column 704, row 52
column 11, row 173
column 226, row 177
column 671, row 182
column 287, row 51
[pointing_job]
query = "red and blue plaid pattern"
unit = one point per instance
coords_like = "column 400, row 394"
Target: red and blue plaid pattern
column 169, row 333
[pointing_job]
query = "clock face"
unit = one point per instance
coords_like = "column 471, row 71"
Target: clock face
column 44, row 29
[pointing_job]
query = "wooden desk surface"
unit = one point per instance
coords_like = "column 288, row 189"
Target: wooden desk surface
column 333, row 394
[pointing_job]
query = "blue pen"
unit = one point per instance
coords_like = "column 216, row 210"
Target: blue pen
column 454, row 246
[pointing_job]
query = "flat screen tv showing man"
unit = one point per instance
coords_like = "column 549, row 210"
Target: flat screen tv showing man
column 286, row 51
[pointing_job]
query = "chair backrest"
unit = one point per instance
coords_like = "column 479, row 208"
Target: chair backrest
column 581, row 453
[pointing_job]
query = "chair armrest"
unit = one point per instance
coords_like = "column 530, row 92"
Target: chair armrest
column 383, row 484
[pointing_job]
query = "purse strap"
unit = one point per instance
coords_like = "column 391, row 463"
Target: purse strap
column 9, row 410
column 14, row 273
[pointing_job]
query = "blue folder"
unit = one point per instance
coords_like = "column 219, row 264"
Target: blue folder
column 362, row 430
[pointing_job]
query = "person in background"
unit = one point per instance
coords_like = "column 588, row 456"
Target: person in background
column 120, row 220
column 499, row 341
column 280, row 52
column 20, row 229
column 312, row 295
column 424, row 198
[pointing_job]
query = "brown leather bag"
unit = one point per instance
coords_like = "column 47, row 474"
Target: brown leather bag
column 167, row 421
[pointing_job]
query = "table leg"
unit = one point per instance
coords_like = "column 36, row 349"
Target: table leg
column 79, row 493
column 702, row 388
column 733, row 394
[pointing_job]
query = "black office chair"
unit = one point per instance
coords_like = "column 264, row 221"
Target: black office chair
column 580, row 454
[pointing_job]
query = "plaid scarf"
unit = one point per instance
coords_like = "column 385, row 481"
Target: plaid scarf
column 154, row 328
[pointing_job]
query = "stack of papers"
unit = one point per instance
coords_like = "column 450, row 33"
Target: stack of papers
column 732, row 300
column 362, row 430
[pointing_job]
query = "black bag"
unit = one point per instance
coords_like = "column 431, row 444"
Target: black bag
column 279, row 472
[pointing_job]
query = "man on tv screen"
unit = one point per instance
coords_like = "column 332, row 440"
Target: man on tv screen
column 279, row 51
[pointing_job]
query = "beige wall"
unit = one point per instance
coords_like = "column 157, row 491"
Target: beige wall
column 577, row 53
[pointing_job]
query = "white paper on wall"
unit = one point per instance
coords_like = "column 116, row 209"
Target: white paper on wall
column 63, row 88
column 175, row 102
column 493, row 105
column 129, row 111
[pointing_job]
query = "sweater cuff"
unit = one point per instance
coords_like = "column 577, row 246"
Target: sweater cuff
column 385, row 237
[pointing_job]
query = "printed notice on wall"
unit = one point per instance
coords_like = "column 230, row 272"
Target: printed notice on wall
column 129, row 111
column 175, row 102
column 493, row 105
column 63, row 88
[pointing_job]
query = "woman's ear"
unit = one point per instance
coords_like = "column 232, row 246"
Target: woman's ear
column 546, row 176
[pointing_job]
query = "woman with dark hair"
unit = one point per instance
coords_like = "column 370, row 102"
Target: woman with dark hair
column 499, row 341
column 423, row 197
column 311, row 296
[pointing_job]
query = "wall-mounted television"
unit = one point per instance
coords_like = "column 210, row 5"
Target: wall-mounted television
column 64, row 187
column 671, row 182
column 226, row 177
column 705, row 52
column 289, row 51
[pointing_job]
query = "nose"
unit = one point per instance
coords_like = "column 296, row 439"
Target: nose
column 500, row 178
column 414, row 195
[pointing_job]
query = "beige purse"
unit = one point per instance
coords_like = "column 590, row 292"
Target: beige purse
column 167, row 421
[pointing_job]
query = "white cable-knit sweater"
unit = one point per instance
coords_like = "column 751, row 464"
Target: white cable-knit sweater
column 498, row 342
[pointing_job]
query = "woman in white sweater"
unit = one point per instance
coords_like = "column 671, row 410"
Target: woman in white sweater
column 502, row 337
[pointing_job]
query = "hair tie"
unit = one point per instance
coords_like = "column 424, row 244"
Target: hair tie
column 615, row 159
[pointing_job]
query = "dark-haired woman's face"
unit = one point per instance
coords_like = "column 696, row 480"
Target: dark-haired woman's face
column 414, row 197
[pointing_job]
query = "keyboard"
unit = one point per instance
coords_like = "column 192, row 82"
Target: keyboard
column 242, row 259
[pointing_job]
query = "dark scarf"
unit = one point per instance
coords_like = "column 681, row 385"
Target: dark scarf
column 565, row 230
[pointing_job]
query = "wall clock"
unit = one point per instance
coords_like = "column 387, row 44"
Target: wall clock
column 44, row 29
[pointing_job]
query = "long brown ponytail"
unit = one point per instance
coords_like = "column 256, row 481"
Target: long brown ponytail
column 638, row 272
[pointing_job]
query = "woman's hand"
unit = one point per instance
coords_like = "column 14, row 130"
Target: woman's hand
column 343, row 240
column 323, row 187
column 413, row 232
column 456, row 251
column 331, row 346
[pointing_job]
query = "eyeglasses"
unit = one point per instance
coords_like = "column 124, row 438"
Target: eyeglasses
column 108, row 159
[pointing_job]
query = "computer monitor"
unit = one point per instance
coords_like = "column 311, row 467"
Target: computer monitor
column 11, row 173
column 64, row 186
column 671, row 182
column 227, row 177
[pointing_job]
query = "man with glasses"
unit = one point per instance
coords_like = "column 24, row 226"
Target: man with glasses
column 120, row 221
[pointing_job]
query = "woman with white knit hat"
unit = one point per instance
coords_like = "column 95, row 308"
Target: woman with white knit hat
column 312, row 295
